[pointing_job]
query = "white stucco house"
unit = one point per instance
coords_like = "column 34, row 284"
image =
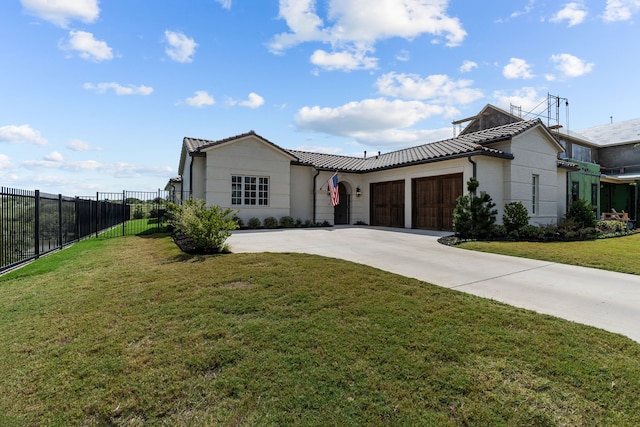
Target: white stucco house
column 417, row 187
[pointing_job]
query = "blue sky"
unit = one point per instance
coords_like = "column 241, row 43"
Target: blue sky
column 97, row 95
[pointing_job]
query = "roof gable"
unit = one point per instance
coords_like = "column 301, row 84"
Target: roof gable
column 476, row 143
column 196, row 146
column 490, row 116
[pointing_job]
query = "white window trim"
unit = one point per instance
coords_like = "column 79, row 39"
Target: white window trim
column 535, row 194
column 261, row 195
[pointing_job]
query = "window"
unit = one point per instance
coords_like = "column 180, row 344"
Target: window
column 535, row 193
column 581, row 153
column 594, row 194
column 249, row 190
column 575, row 191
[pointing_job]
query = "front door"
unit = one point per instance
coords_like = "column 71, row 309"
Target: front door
column 341, row 210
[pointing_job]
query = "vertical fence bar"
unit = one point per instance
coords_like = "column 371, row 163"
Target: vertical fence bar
column 97, row 213
column 36, row 227
column 60, row 222
column 122, row 211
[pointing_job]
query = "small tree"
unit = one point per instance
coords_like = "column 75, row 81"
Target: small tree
column 207, row 227
column 581, row 214
column 474, row 216
column 515, row 216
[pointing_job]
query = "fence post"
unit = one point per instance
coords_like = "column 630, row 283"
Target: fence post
column 60, row 240
column 158, row 211
column 36, row 237
column 97, row 213
column 77, row 218
column 122, row 210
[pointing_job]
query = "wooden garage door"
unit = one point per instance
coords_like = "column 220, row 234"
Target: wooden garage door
column 434, row 199
column 387, row 204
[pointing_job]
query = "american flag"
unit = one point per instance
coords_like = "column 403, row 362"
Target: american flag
column 333, row 189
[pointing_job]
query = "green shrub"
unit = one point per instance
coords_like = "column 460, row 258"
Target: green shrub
column 138, row 213
column 238, row 221
column 474, row 216
column 287, row 222
column 254, row 223
column 581, row 215
column 515, row 216
column 207, row 227
column 270, row 222
column 530, row 232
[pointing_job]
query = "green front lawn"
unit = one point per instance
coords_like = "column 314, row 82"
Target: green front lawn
column 621, row 254
column 130, row 331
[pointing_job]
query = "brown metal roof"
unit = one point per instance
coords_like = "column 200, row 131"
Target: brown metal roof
column 461, row 146
column 475, row 143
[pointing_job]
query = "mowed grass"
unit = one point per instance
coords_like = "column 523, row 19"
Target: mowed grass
column 130, row 331
column 621, row 254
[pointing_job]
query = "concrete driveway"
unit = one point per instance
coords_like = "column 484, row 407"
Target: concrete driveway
column 603, row 299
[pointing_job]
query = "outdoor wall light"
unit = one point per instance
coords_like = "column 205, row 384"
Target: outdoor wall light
column 358, row 192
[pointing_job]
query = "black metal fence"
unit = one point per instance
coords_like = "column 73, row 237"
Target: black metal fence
column 34, row 223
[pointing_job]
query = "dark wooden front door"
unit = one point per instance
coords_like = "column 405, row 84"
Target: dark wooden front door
column 434, row 199
column 341, row 210
column 387, row 204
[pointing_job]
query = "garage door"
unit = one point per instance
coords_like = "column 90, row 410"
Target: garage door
column 387, row 204
column 433, row 201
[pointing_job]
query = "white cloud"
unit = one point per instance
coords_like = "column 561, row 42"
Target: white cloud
column 55, row 160
column 78, row 145
column 60, row 12
column 575, row 13
column 403, row 55
column 345, row 61
column 5, row 162
column 54, row 156
column 354, row 26
column 527, row 98
column 226, row 4
column 467, row 66
column 119, row 89
column 620, row 10
column 571, row 66
column 88, row 47
column 253, row 101
column 527, row 9
column 21, row 134
column 200, row 99
column 438, row 88
column 180, row 47
column 517, row 69
column 378, row 121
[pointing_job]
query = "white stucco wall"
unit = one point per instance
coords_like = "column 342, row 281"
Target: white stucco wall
column 249, row 156
column 534, row 154
column 302, row 192
column 360, row 205
column 196, row 172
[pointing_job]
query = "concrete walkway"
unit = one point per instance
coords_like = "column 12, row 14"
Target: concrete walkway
column 603, row 299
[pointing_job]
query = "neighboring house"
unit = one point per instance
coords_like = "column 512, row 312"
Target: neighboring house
column 615, row 149
column 417, row 187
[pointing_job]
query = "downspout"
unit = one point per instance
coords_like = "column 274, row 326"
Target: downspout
column 191, row 178
column 313, row 193
column 475, row 169
column 475, row 166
